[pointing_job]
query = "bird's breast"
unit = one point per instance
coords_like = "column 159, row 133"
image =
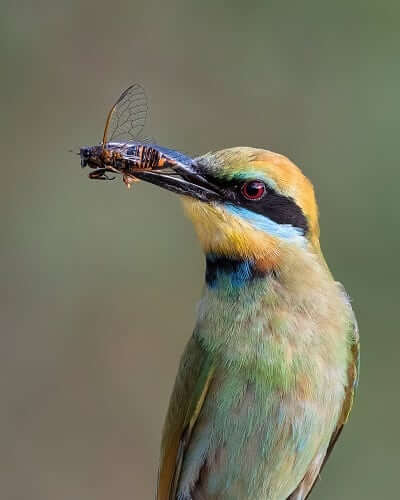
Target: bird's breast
column 281, row 354
column 258, row 439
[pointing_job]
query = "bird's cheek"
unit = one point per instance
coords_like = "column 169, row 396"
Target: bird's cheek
column 209, row 222
column 222, row 233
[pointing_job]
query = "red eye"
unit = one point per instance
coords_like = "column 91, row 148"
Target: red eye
column 253, row 190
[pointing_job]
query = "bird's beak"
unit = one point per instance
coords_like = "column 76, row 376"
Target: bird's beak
column 186, row 178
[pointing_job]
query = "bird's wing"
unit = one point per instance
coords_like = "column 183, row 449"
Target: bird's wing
column 190, row 390
column 308, row 482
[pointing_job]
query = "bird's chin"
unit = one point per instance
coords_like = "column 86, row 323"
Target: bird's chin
column 222, row 233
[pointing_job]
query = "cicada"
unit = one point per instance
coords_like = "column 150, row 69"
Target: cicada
column 123, row 150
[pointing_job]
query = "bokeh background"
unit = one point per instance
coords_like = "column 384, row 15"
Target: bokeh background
column 99, row 284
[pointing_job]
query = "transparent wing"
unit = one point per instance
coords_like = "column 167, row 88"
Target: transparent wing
column 126, row 119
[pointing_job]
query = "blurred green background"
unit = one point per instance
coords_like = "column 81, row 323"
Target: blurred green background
column 99, row 284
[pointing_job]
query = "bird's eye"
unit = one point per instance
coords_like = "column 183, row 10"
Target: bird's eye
column 253, row 190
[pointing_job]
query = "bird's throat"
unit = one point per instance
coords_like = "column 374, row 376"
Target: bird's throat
column 231, row 273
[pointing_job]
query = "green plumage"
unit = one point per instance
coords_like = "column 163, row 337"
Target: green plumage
column 277, row 389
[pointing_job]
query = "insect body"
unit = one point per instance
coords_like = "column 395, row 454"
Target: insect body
column 122, row 149
column 123, row 158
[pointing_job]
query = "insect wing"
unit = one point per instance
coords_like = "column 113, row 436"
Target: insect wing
column 126, row 119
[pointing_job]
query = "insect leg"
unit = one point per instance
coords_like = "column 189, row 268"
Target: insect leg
column 100, row 173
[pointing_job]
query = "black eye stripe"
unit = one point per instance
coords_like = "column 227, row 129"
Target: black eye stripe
column 281, row 209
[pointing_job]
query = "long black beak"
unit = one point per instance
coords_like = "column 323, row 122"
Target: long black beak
column 185, row 179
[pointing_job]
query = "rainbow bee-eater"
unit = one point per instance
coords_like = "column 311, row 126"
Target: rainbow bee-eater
column 266, row 382
column 267, row 379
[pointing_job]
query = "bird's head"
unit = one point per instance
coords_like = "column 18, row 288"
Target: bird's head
column 246, row 203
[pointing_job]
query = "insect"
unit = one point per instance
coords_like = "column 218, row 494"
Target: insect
column 122, row 149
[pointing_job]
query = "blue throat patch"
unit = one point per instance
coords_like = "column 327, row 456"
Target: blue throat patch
column 226, row 272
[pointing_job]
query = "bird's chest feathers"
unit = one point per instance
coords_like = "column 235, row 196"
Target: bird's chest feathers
column 281, row 368
column 269, row 331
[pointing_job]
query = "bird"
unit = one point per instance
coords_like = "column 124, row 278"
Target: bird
column 267, row 379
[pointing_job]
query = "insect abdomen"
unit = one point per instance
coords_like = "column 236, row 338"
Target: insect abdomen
column 148, row 158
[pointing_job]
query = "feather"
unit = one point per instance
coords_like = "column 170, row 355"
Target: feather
column 303, row 491
column 195, row 375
